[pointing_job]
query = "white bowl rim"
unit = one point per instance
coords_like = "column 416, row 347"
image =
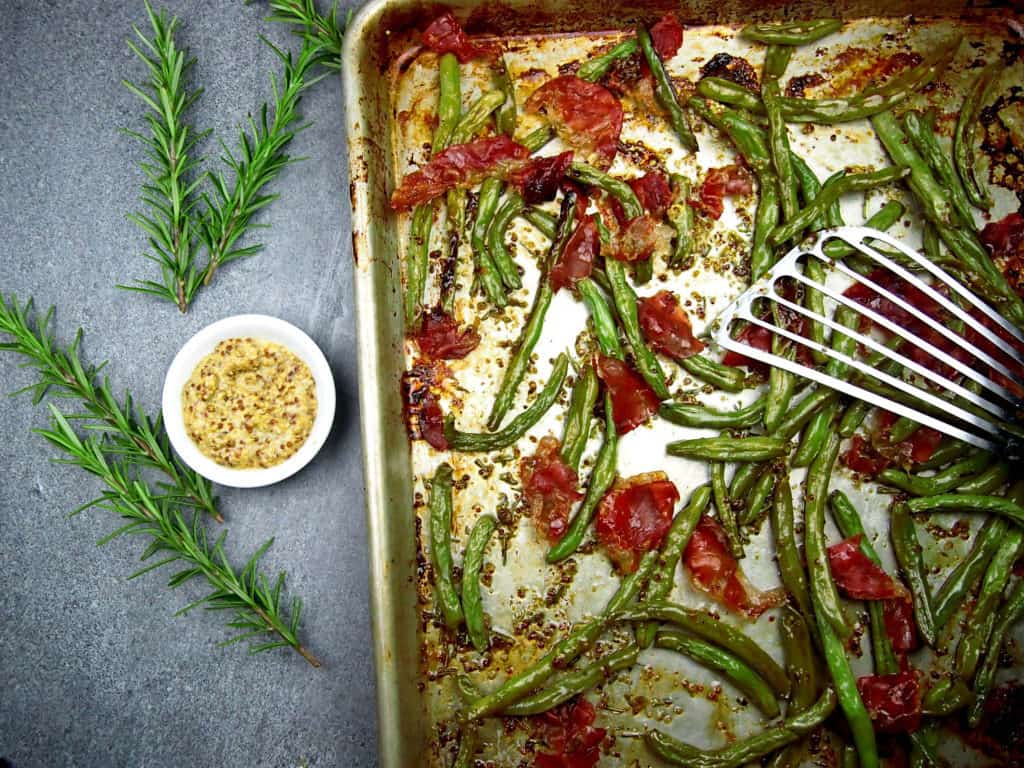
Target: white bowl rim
column 266, row 328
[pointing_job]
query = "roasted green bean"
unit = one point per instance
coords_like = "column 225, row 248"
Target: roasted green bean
column 776, row 59
column 778, row 142
column 665, row 92
column 693, row 415
column 791, row 32
column 747, row 750
column 470, row 442
column 606, row 331
column 988, row 480
column 810, row 186
column 815, row 434
column 505, row 117
column 576, row 428
column 626, row 307
column 976, row 639
column 830, row 192
column 441, row 545
column 601, row 478
column 620, row 190
column 781, row 385
column 472, row 563
column 707, row 627
column 941, row 482
column 823, row 588
column 715, row 373
column 449, row 102
column 487, row 206
column 921, row 130
column 575, row 682
column 882, row 219
column 417, row 260
column 755, row 507
column 672, row 548
column 964, row 137
column 958, row 585
column 594, row 69
column 830, row 111
column 849, row 524
column 791, row 566
column 1008, row 615
column 531, row 332
column 729, row 449
column 946, row 697
column 680, row 214
column 850, row 702
column 499, row 225
column 751, row 684
column 907, row 549
column 967, row 502
column 726, row 513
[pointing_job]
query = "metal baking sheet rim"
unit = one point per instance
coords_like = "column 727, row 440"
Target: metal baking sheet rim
column 387, row 468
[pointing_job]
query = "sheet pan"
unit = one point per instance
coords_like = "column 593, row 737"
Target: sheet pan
column 384, row 78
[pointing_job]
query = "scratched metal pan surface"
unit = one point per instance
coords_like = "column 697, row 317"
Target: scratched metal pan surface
column 391, row 96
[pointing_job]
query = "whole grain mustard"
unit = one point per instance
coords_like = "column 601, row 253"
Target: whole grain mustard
column 250, row 403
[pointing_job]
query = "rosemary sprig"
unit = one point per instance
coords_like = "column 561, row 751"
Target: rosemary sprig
column 117, row 447
column 168, row 197
column 323, row 29
column 255, row 603
column 261, row 156
column 130, row 433
column 180, row 221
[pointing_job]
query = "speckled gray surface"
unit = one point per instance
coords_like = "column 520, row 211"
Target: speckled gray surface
column 95, row 670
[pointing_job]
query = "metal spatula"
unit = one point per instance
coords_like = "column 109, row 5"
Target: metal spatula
column 965, row 391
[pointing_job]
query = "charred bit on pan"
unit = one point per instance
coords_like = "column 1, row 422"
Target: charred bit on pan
column 797, row 86
column 733, row 68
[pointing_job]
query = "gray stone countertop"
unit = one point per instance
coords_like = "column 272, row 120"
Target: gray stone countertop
column 96, row 670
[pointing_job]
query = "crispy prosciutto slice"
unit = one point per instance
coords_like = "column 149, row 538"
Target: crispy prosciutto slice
column 893, row 701
column 569, row 735
column 869, row 457
column 576, row 260
column 1005, row 238
column 637, row 239
column 858, row 576
column 903, row 319
column 634, row 517
column 440, row 338
column 586, row 116
column 653, row 191
column 899, row 625
column 633, row 400
column 667, row 36
column 446, row 35
column 666, row 326
column 714, row 570
column 754, row 336
column 862, row 458
column 461, row 165
column 720, row 183
column 549, row 488
column 420, row 404
column 539, row 180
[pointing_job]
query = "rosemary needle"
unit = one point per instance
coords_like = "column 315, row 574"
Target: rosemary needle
column 131, row 433
column 117, row 447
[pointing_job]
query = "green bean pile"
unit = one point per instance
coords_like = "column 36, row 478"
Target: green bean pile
column 751, row 450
